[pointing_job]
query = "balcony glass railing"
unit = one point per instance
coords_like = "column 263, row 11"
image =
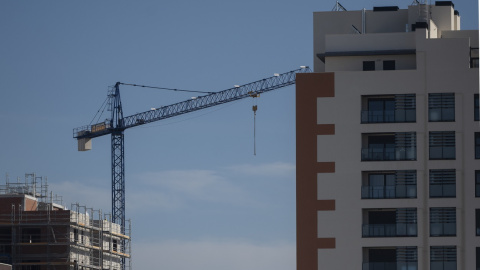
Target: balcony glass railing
column 386, row 154
column 389, row 116
column 389, row 230
column 389, row 192
column 390, row 266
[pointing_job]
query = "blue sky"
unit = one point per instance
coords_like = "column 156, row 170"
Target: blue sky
column 196, row 194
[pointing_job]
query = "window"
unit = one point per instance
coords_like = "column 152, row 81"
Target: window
column 475, row 106
column 401, row 222
column 477, row 183
column 441, row 107
column 389, row 146
column 474, row 57
column 387, row 258
column 368, row 65
column 31, row 235
column 443, row 221
column 389, row 65
column 442, row 183
column 75, row 235
column 389, row 109
column 115, row 245
column 477, row 145
column 443, row 258
column 477, row 222
column 389, row 185
column 442, row 144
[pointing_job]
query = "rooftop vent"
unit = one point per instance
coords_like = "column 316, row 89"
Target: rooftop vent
column 388, row 8
column 444, row 3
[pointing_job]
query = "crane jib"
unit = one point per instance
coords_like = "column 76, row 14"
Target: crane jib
column 194, row 104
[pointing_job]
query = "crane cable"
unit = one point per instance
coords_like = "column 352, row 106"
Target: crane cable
column 164, row 88
column 254, row 109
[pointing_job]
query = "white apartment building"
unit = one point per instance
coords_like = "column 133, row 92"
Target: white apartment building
column 388, row 142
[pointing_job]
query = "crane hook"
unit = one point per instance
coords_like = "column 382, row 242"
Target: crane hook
column 254, row 109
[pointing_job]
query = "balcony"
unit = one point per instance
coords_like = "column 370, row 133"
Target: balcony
column 391, row 266
column 389, row 109
column 389, row 192
column 389, row 146
column 399, row 222
column 389, row 230
column 390, row 258
column 389, row 154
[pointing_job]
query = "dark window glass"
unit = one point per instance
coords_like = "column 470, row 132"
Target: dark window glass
column 442, row 183
column 477, row 183
column 442, row 144
column 477, row 221
column 382, row 185
column 474, row 57
column 443, row 221
column 404, row 258
column 441, row 107
column 443, row 258
column 381, row 110
column 31, row 235
column 401, row 222
column 389, row 65
column 368, row 65
column 475, row 103
column 477, row 145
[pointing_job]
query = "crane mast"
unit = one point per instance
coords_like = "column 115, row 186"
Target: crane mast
column 117, row 124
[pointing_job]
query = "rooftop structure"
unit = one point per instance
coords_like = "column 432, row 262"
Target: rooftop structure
column 388, row 142
column 38, row 233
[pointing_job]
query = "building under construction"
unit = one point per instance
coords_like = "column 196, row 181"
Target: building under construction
column 37, row 232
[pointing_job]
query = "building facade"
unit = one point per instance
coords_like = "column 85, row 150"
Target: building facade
column 39, row 233
column 388, row 142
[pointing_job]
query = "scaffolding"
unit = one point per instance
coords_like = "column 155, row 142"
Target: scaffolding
column 38, row 233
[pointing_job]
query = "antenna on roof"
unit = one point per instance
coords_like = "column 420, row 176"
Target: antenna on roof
column 339, row 7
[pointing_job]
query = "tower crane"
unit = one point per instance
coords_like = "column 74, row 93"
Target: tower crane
column 117, row 124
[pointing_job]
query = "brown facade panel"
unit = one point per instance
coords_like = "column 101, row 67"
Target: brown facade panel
column 319, row 84
column 325, row 129
column 323, row 243
column 326, row 205
column 309, row 87
column 325, row 167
